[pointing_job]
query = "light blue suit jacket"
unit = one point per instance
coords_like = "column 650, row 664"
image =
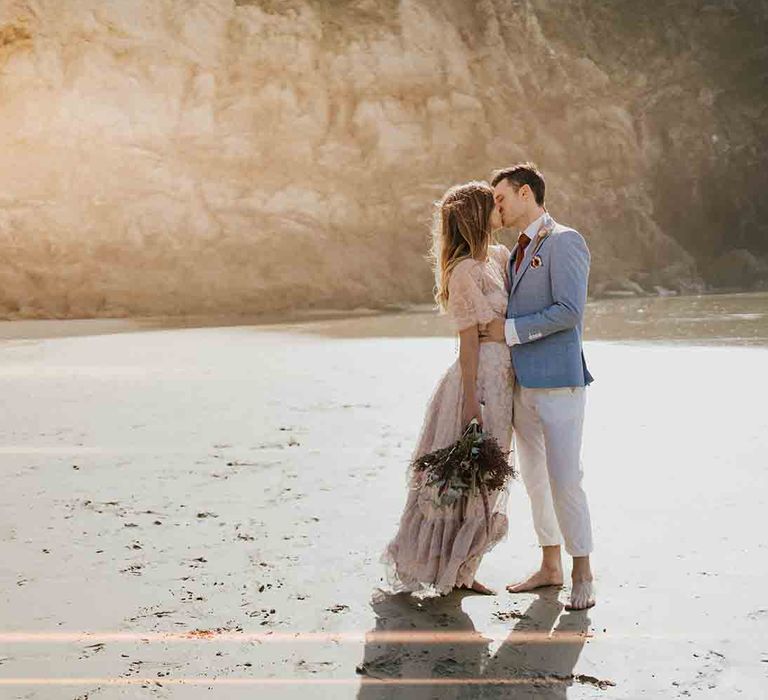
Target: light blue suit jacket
column 547, row 302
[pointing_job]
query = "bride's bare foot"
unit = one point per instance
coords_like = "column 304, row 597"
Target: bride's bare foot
column 479, row 588
column 543, row 577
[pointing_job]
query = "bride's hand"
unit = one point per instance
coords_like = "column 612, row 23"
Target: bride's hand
column 470, row 410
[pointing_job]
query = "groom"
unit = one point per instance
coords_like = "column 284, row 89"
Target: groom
column 549, row 269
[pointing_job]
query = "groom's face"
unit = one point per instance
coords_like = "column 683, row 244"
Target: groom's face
column 496, row 223
column 511, row 205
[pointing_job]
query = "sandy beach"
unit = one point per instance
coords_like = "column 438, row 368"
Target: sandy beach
column 199, row 511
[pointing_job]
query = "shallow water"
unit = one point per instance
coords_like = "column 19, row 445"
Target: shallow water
column 730, row 319
column 716, row 319
column 740, row 319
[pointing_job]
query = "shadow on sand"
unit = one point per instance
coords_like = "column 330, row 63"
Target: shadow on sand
column 430, row 649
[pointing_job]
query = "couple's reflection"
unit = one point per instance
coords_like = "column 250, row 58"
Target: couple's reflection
column 435, row 639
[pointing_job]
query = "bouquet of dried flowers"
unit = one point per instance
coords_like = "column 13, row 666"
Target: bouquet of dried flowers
column 473, row 465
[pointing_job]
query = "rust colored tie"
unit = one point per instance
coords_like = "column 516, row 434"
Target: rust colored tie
column 522, row 244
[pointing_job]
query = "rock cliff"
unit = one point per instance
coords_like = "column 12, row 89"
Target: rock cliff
column 206, row 156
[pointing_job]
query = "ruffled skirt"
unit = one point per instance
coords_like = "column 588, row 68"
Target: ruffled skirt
column 439, row 548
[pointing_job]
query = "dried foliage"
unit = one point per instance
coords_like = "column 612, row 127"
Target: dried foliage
column 474, row 465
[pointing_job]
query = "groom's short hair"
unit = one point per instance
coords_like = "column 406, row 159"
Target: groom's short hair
column 523, row 174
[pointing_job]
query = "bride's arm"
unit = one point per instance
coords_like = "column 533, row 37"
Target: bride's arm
column 469, row 355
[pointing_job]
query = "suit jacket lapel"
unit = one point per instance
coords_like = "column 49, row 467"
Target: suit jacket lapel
column 511, row 266
column 524, row 265
column 530, row 251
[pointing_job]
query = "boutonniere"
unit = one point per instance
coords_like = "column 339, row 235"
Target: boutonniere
column 546, row 228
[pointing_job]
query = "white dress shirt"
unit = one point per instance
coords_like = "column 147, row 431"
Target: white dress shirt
column 510, row 332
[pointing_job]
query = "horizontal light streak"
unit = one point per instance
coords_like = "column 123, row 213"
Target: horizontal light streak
column 203, row 451
column 365, row 680
column 391, row 637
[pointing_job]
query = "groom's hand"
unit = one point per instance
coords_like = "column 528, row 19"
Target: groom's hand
column 492, row 332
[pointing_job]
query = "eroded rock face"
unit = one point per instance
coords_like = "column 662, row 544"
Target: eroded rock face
column 183, row 156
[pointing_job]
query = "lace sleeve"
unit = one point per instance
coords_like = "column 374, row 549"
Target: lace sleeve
column 466, row 304
column 501, row 254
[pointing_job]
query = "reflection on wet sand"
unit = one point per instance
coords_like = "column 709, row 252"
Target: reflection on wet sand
column 536, row 660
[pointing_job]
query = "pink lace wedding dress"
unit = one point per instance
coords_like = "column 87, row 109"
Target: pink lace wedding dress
column 435, row 550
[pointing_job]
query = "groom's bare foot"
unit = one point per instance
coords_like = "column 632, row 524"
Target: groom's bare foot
column 582, row 595
column 543, row 577
column 582, row 588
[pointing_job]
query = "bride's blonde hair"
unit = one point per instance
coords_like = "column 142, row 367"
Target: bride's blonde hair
column 461, row 228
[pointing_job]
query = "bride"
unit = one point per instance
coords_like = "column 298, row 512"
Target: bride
column 439, row 548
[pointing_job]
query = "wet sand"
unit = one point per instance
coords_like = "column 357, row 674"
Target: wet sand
column 198, row 512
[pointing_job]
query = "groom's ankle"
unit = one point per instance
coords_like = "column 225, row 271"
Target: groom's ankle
column 552, row 567
column 551, row 560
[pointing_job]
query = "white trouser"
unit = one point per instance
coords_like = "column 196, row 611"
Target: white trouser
column 548, row 427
